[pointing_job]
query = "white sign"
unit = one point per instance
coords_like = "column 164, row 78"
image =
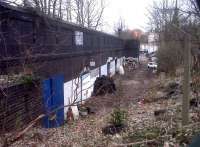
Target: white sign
column 92, row 63
column 118, row 63
column 78, row 38
column 110, row 59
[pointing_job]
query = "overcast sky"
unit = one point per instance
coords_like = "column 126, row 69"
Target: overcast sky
column 134, row 12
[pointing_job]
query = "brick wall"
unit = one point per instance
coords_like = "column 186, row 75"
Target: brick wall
column 19, row 104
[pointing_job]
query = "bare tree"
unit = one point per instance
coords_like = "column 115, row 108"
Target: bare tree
column 120, row 27
column 68, row 8
column 167, row 18
column 89, row 13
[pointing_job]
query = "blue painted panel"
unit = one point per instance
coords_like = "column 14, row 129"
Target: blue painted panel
column 58, row 98
column 46, row 84
column 53, row 99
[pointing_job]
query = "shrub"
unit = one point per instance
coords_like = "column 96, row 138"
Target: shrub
column 28, row 79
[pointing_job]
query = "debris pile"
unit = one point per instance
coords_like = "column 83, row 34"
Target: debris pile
column 173, row 89
column 103, row 85
column 131, row 63
column 112, row 129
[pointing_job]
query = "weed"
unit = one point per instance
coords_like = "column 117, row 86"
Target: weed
column 27, row 79
column 118, row 117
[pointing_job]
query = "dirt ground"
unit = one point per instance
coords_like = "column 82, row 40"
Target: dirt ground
column 87, row 131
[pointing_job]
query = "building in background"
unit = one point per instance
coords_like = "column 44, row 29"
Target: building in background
column 148, row 42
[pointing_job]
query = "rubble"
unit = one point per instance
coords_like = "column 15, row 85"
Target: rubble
column 111, row 129
column 172, row 88
column 159, row 112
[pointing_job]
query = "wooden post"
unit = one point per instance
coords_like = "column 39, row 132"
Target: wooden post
column 186, row 82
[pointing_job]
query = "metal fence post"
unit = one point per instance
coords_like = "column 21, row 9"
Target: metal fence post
column 81, row 88
column 115, row 65
column 108, row 69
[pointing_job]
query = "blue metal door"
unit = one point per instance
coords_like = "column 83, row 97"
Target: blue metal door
column 53, row 101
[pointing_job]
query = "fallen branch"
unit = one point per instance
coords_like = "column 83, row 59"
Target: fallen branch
column 20, row 134
column 28, row 127
column 141, row 142
column 135, row 143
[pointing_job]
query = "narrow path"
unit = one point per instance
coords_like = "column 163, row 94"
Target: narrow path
column 136, row 82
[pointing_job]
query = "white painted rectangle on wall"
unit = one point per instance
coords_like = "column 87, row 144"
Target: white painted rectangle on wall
column 118, row 63
column 86, row 84
column 94, row 75
column 121, row 60
column 93, row 78
column 71, row 94
column 112, row 68
column 104, row 70
column 67, row 96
